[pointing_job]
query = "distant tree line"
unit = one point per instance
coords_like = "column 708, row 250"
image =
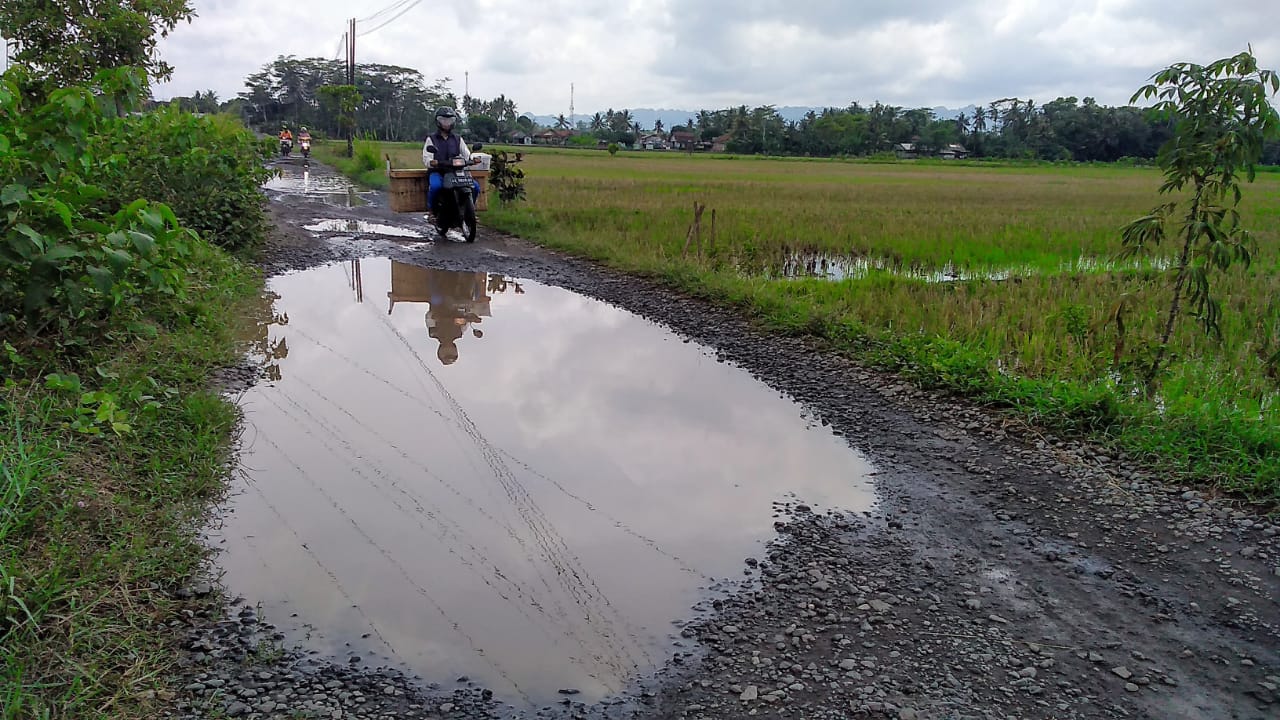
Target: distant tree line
column 398, row 103
column 395, row 103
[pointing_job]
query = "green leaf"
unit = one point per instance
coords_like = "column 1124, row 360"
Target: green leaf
column 103, row 279
column 60, row 252
column 144, row 243
column 13, row 194
column 35, row 237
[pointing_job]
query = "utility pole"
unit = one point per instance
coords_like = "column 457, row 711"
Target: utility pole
column 466, row 83
column 351, row 80
column 351, row 52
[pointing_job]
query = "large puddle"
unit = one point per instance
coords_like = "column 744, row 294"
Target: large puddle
column 462, row 474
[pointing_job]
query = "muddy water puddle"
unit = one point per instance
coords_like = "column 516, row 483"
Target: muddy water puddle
column 297, row 179
column 463, row 474
column 340, row 225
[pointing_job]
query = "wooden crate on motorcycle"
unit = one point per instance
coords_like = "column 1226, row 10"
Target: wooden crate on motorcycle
column 408, row 189
column 482, row 177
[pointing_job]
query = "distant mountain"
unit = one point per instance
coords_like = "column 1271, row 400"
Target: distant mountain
column 647, row 116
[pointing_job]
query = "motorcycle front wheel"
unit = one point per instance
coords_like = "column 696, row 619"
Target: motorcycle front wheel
column 469, row 217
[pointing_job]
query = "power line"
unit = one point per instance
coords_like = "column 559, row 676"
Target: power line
column 390, row 8
column 398, row 15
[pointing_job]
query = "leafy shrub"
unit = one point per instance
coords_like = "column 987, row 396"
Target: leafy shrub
column 613, row 148
column 71, row 254
column 506, row 178
column 208, row 169
column 367, row 156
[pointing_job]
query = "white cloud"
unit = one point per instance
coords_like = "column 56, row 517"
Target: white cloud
column 711, row 53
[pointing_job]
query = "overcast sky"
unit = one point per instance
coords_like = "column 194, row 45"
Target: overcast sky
column 693, row 54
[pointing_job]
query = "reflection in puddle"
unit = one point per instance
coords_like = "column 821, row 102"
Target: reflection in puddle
column 361, row 226
column 298, row 180
column 503, row 479
column 836, row 268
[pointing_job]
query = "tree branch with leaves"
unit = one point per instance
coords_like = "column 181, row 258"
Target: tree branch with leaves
column 1222, row 119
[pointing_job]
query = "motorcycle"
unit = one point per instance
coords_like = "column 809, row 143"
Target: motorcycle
column 305, row 146
column 455, row 204
column 286, row 147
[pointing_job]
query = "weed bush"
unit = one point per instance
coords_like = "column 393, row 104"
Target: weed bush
column 208, row 169
column 102, row 212
column 72, row 253
column 367, row 156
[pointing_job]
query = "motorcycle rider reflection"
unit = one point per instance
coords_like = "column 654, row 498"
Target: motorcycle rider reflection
column 457, row 303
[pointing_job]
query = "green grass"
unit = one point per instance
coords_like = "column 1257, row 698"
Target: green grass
column 368, row 167
column 1045, row 345
column 98, row 531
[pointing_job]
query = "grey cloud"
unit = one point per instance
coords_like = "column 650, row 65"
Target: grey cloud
column 712, row 53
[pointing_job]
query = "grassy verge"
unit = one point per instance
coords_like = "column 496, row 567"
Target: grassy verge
column 1061, row 345
column 368, row 167
column 104, row 478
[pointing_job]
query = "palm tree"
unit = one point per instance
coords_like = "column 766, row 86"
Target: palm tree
column 562, row 122
column 657, row 126
column 597, row 123
column 979, row 120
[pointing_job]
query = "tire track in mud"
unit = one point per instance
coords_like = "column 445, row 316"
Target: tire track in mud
column 557, row 552
column 649, row 542
column 333, row 578
column 515, row 496
column 425, row 402
column 426, row 595
column 454, row 535
column 590, row 620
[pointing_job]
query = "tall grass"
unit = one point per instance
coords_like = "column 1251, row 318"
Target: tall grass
column 1061, row 347
column 98, row 531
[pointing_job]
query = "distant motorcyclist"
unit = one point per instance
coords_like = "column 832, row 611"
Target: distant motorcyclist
column 448, row 145
column 303, row 135
column 286, row 141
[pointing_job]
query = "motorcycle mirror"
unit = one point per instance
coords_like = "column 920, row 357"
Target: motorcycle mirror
column 431, row 149
column 478, row 146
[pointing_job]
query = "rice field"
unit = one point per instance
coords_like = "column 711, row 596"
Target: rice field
column 995, row 281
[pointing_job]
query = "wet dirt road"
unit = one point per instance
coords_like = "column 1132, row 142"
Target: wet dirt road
column 999, row 574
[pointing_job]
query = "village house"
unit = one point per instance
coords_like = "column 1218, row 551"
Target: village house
column 653, row 142
column 721, row 144
column 684, row 140
column 552, row 137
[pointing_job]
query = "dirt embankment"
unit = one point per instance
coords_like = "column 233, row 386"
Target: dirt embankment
column 1005, row 574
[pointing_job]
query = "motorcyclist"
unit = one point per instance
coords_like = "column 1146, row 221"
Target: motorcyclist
column 286, row 140
column 303, row 135
column 448, row 145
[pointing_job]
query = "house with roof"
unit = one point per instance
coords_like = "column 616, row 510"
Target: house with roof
column 721, row 144
column 684, row 140
column 653, row 142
